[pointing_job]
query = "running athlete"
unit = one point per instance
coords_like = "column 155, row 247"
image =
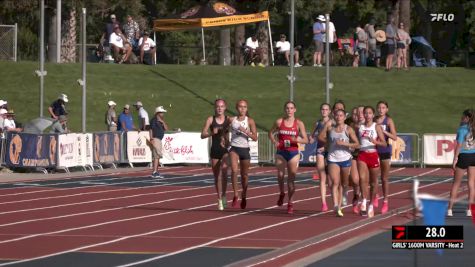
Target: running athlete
column 354, row 122
column 338, row 137
column 242, row 128
column 384, row 153
column 464, row 159
column 291, row 132
column 370, row 135
column 216, row 128
column 320, row 152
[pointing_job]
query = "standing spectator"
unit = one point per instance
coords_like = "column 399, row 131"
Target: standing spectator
column 3, row 104
column 369, row 29
column 132, row 31
column 126, row 122
column 111, row 117
column 318, row 31
column 380, row 39
column 158, row 126
column 9, row 122
column 283, row 47
column 403, row 40
column 59, row 126
column 147, row 49
column 390, row 43
column 331, row 32
column 144, row 122
column 58, row 107
column 362, row 45
column 118, row 46
column 2, row 123
column 254, row 51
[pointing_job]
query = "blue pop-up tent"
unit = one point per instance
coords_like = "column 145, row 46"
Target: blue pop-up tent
column 420, row 46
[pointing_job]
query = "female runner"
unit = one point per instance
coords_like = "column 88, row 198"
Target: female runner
column 242, row 128
column 357, row 118
column 291, row 131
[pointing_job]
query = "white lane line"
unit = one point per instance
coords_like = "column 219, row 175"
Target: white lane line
column 176, row 227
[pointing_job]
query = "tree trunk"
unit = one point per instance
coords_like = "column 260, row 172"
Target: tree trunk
column 263, row 37
column 68, row 43
column 426, row 24
column 239, row 39
column 405, row 17
column 225, row 47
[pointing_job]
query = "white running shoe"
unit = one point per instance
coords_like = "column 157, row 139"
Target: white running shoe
column 297, row 65
column 220, row 205
column 370, row 211
column 449, row 213
column 469, row 213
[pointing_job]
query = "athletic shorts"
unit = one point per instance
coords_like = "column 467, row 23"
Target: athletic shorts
column 287, row 155
column 390, row 49
column 371, row 159
column 342, row 164
column 384, row 156
column 318, row 46
column 243, row 152
column 323, row 153
column 401, row 46
column 217, row 152
column 465, row 160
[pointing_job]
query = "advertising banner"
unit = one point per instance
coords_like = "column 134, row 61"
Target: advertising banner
column 84, row 149
column 31, row 150
column 402, row 149
column 254, row 150
column 184, row 148
column 107, row 148
column 439, row 148
column 137, row 147
column 67, row 150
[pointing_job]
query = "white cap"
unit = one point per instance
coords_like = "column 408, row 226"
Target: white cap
column 63, row 97
column 160, row 109
column 127, row 106
column 111, row 103
column 3, row 111
column 138, row 104
column 3, row 102
column 321, row 18
column 112, row 16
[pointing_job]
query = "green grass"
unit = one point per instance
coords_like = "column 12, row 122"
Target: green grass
column 421, row 100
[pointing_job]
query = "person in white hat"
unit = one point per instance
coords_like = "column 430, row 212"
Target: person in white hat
column 111, row 117
column 144, row 121
column 58, row 107
column 3, row 104
column 158, row 126
column 318, row 32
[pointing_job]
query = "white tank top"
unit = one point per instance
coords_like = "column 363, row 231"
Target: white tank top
column 365, row 133
column 338, row 153
column 239, row 139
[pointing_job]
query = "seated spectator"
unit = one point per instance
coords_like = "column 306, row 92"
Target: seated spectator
column 254, row 51
column 132, row 32
column 3, row 104
column 58, row 107
column 120, row 47
column 126, row 122
column 3, row 113
column 59, row 125
column 147, row 49
column 9, row 122
column 283, row 47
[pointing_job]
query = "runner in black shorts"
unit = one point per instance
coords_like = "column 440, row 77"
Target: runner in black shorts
column 216, row 127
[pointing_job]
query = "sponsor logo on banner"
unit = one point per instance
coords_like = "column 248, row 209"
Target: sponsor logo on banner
column 184, row 148
column 439, row 148
column 30, row 150
column 137, row 148
column 254, row 150
column 67, row 150
column 106, row 147
column 402, row 149
column 307, row 153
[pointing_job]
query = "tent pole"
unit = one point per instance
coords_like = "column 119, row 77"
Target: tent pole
column 270, row 41
column 203, row 43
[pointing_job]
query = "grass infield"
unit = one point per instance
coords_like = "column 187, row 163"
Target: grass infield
column 421, row 100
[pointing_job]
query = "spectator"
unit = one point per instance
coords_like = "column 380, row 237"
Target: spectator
column 9, row 122
column 59, row 125
column 3, row 113
column 118, row 45
column 283, row 47
column 132, row 31
column 58, row 107
column 158, row 126
column 403, row 40
column 254, row 51
column 147, row 49
column 369, row 29
column 3, row 104
column 362, row 45
column 109, row 29
column 380, row 39
column 318, row 32
column 126, row 122
column 390, row 43
column 144, row 121
column 111, row 117
column 331, row 36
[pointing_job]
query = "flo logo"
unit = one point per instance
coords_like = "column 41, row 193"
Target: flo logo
column 442, row 17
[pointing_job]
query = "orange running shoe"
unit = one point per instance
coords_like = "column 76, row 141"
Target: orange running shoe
column 385, row 207
column 324, row 207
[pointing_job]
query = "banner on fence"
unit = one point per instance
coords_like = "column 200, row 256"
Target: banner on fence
column 184, row 148
column 307, row 153
column 107, row 148
column 67, row 150
column 84, row 149
column 439, row 148
column 137, row 149
column 402, row 149
column 254, row 150
column 31, row 150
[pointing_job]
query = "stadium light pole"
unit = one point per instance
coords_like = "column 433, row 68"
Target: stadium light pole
column 83, row 81
column 327, row 58
column 292, row 49
column 41, row 72
column 58, row 31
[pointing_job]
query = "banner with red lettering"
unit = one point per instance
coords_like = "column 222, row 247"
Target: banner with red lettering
column 67, row 150
column 439, row 148
column 137, row 148
column 184, row 148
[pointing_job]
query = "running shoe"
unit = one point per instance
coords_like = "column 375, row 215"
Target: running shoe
column 290, row 208
column 297, row 65
column 469, row 213
column 449, row 213
column 235, row 200
column 363, row 211
column 261, row 65
column 220, row 205
column 224, row 201
column 385, row 207
column 344, row 202
column 339, row 213
column 243, row 203
column 376, row 201
column 370, row 211
column 280, row 201
column 324, row 207
column 356, row 209
column 154, row 175
column 252, row 64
